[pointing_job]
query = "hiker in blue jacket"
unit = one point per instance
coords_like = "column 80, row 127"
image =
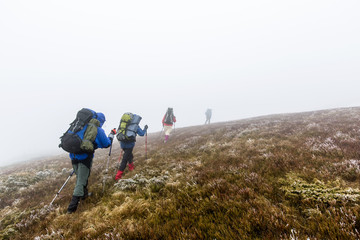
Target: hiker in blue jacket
column 82, row 162
column 128, row 157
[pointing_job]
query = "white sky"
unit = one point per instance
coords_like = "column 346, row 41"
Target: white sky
column 240, row 58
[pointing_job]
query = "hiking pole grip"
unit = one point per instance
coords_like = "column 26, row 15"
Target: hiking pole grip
column 110, row 149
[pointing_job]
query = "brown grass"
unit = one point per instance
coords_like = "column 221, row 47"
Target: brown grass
column 290, row 176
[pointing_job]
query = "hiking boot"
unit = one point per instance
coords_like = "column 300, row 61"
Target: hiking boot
column 131, row 166
column 86, row 194
column 118, row 175
column 73, row 204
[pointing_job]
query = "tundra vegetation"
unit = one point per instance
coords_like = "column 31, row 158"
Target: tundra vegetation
column 288, row 176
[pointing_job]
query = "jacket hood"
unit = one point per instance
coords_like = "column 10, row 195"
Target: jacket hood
column 101, row 118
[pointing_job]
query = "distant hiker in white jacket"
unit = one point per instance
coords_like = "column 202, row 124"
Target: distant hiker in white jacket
column 168, row 121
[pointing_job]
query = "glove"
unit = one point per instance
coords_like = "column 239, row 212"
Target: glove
column 113, row 131
column 111, row 136
column 146, row 127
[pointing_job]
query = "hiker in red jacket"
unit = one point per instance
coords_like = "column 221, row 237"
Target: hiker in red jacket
column 168, row 121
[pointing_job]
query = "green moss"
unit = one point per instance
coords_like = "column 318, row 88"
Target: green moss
column 319, row 191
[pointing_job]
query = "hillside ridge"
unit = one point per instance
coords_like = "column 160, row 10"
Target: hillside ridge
column 280, row 176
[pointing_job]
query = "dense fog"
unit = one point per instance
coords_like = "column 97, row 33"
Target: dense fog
column 239, row 58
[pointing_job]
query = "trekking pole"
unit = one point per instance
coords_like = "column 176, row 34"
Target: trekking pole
column 108, row 160
column 107, row 168
column 146, row 145
column 121, row 153
column 57, row 194
column 107, row 165
column 161, row 131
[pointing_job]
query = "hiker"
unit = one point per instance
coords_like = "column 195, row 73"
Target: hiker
column 168, row 121
column 127, row 131
column 208, row 116
column 82, row 161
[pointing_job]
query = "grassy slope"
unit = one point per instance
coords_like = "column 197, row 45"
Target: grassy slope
column 291, row 176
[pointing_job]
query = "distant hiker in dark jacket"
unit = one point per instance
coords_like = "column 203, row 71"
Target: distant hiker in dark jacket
column 168, row 121
column 208, row 114
column 82, row 162
column 127, row 147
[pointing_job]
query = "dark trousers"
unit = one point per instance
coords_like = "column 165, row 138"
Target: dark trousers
column 127, row 158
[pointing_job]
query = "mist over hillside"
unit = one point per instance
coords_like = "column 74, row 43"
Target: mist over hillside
column 284, row 176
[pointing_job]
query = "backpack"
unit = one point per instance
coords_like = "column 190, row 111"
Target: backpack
column 169, row 116
column 90, row 136
column 208, row 113
column 128, row 126
column 70, row 141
